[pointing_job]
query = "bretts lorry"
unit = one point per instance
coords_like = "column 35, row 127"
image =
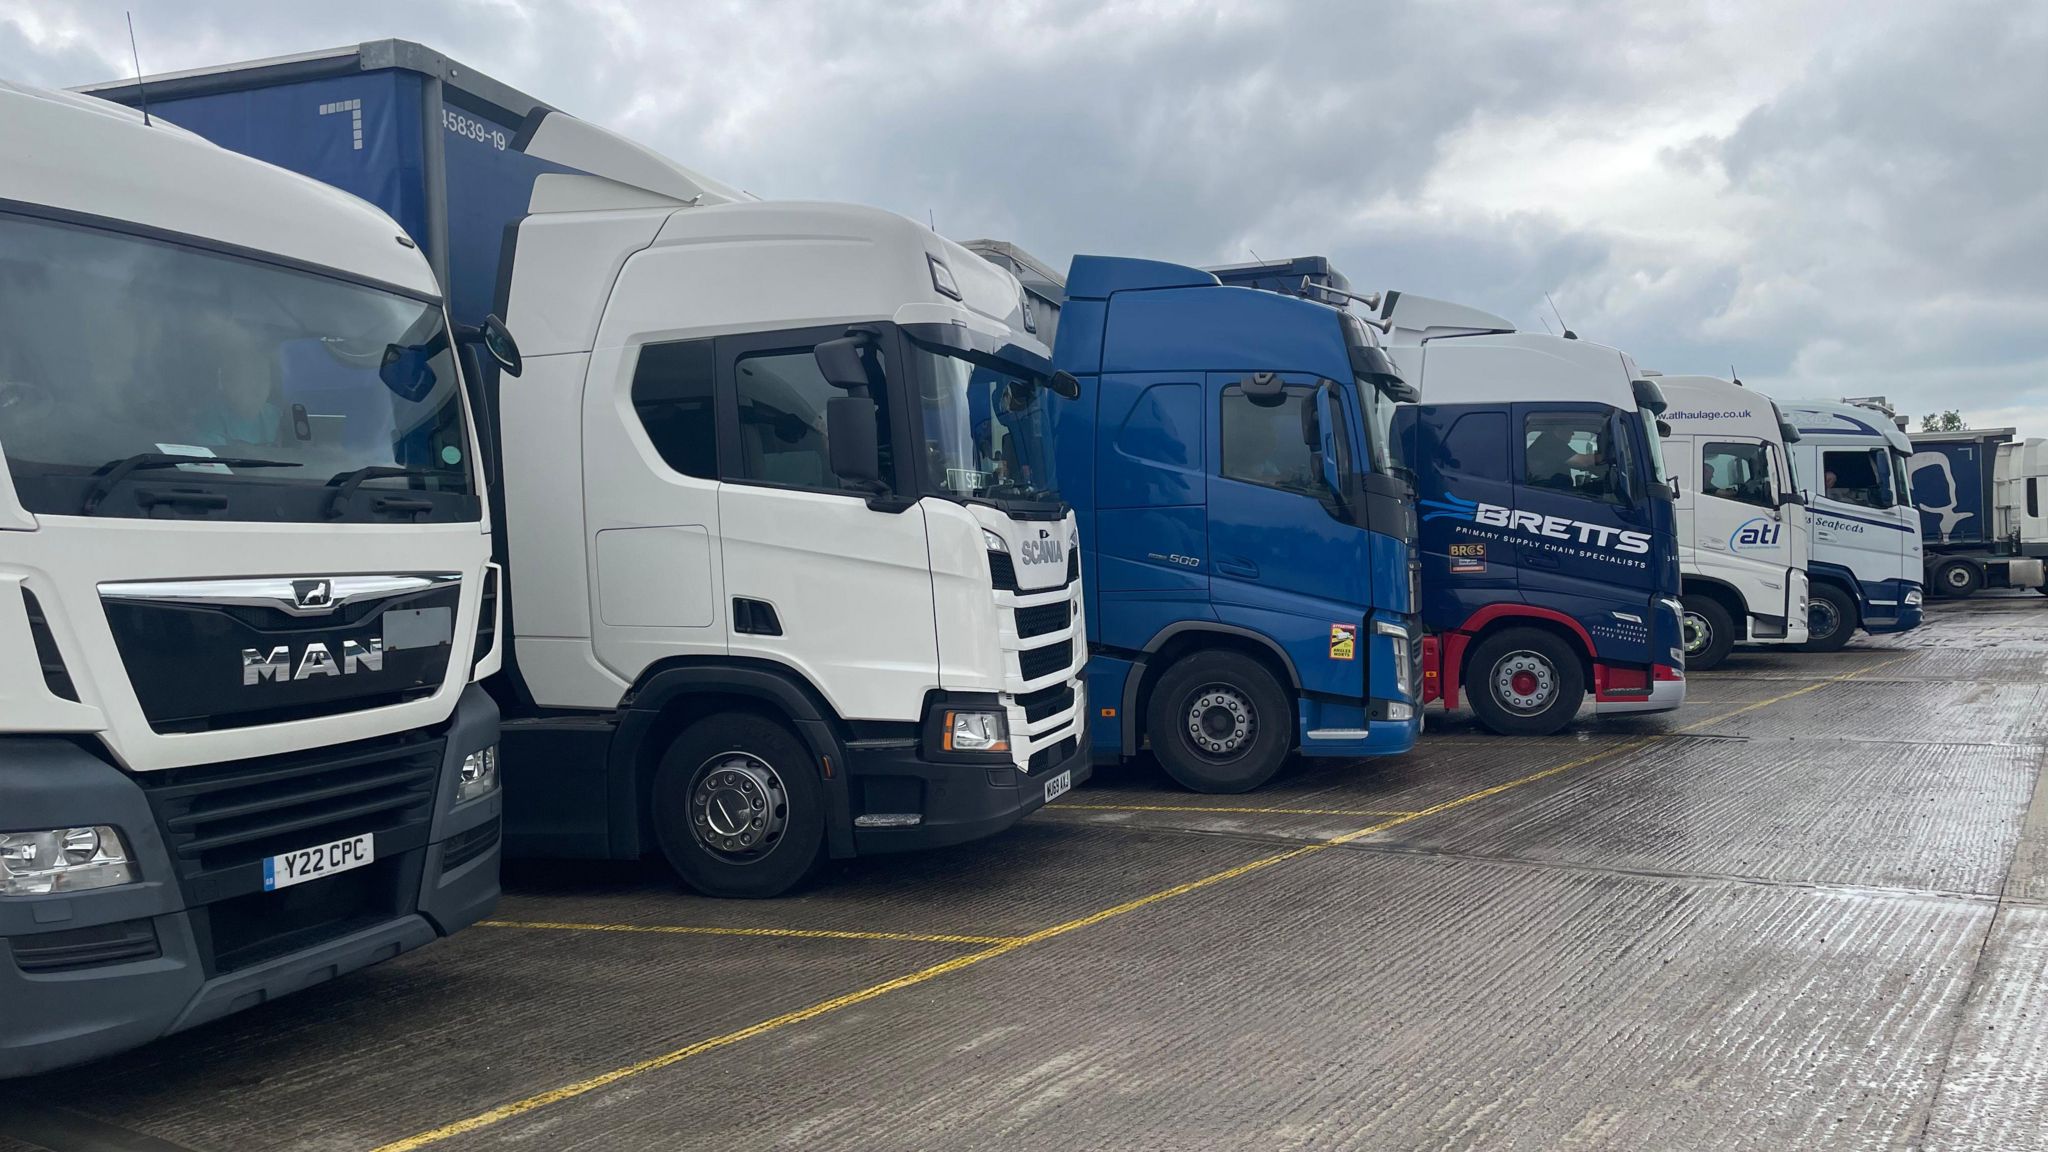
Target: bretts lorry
column 1983, row 516
column 1864, row 566
column 1250, row 585
column 1742, row 535
column 786, row 568
column 1549, row 560
column 243, row 556
column 1549, row 547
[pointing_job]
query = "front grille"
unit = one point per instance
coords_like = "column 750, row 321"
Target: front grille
column 76, row 948
column 1046, row 702
column 1037, row 662
column 1043, row 619
column 221, row 821
column 1002, row 572
column 1045, row 758
column 463, row 847
column 55, row 676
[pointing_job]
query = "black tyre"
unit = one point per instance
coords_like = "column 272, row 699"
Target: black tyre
column 738, row 808
column 1830, row 618
column 1524, row 682
column 1956, row 579
column 1707, row 630
column 1219, row 722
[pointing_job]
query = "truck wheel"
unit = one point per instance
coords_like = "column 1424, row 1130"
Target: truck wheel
column 1830, row 619
column 1708, row 631
column 738, row 808
column 1219, row 722
column 1956, row 579
column 1524, row 682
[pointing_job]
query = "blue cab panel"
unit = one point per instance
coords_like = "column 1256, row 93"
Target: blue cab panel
column 1949, row 482
column 1203, row 514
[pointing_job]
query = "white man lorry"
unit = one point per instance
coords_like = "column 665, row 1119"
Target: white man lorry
column 787, row 573
column 1864, row 568
column 243, row 559
column 1742, row 533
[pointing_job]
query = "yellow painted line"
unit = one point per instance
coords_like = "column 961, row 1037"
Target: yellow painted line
column 1063, row 807
column 788, row 933
column 1011, row 944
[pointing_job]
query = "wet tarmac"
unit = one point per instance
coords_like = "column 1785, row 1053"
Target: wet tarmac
column 1808, row 911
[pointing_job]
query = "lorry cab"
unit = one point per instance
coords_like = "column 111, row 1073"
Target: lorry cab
column 787, row 572
column 1248, row 542
column 1742, row 533
column 1549, row 556
column 1864, row 567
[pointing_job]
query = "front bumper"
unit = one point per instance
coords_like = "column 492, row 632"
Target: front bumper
column 87, row 974
column 954, row 803
column 1892, row 607
column 1665, row 696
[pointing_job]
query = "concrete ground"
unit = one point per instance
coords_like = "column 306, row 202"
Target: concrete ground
column 1808, row 911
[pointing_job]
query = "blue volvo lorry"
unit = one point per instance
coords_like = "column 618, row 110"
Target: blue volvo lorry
column 1549, row 553
column 1250, row 578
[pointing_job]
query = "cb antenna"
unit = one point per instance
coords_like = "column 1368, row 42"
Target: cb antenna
column 1568, row 333
column 136, row 54
column 1732, row 375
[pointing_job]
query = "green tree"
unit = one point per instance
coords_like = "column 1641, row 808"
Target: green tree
column 1949, row 421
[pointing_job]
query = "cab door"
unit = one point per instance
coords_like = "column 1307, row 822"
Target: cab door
column 1584, row 529
column 1286, row 560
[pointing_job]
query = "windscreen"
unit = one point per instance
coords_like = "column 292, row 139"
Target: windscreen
column 121, row 358
column 987, row 430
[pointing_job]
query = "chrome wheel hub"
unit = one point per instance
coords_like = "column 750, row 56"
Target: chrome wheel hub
column 1220, row 721
column 1524, row 681
column 738, row 806
column 1698, row 633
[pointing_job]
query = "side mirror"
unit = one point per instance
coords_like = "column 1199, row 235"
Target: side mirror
column 1787, row 499
column 1663, row 429
column 408, row 370
column 842, row 365
column 850, row 438
column 1064, row 384
column 498, row 341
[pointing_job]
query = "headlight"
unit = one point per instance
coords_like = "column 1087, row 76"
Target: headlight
column 62, row 860
column 993, row 542
column 1398, row 637
column 479, row 774
column 1400, row 712
column 976, row 732
column 1913, row 598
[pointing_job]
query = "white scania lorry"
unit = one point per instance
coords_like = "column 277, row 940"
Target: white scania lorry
column 787, row 571
column 243, row 559
column 1864, row 567
column 1742, row 533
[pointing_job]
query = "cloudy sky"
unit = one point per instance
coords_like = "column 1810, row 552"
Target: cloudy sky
column 1843, row 197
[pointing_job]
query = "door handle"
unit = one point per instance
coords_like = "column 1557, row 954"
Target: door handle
column 1237, row 566
column 1534, row 559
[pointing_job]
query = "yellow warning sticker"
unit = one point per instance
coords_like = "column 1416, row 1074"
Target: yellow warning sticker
column 1343, row 641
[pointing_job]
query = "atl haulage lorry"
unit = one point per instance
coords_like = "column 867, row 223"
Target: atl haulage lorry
column 1549, row 563
column 1742, row 532
column 1864, row 570
column 243, row 561
column 787, row 573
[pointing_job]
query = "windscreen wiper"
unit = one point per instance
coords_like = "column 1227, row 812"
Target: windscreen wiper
column 346, row 483
column 114, row 471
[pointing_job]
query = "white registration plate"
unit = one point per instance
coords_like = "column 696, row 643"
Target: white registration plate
column 1059, row 786
column 313, row 863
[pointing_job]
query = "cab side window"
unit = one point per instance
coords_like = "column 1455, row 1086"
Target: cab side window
column 1857, row 476
column 1263, row 444
column 782, row 434
column 1569, row 452
column 1476, row 445
column 672, row 392
column 1737, row 471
